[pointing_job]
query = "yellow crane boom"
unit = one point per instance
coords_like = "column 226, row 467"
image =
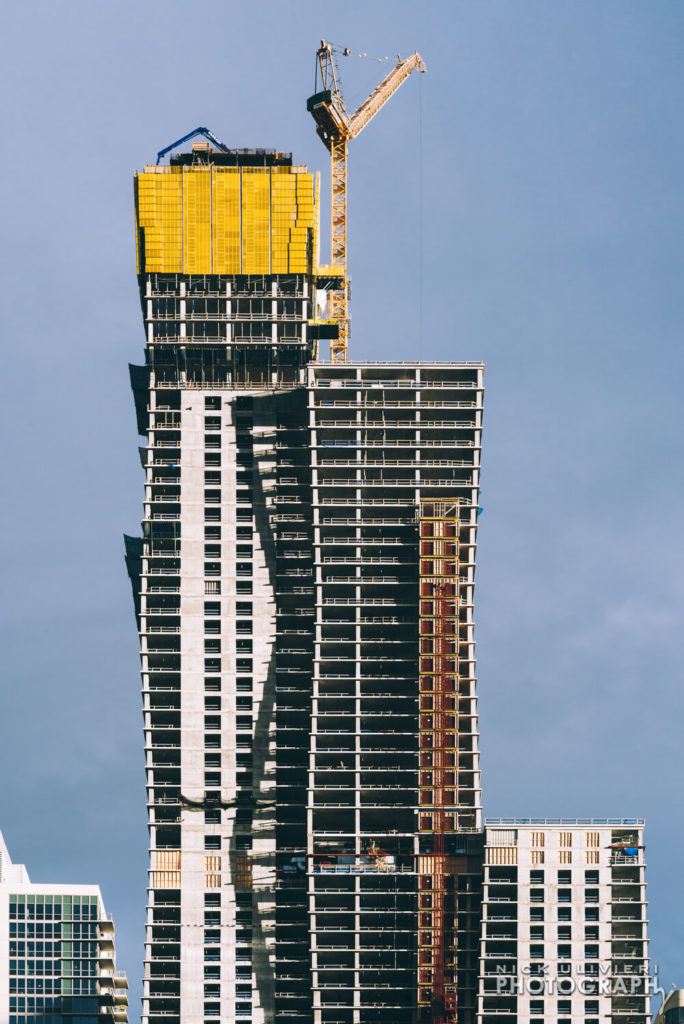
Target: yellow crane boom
column 337, row 128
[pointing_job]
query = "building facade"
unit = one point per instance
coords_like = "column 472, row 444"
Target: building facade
column 564, row 922
column 393, row 784
column 225, row 251
column 304, row 587
column 57, row 960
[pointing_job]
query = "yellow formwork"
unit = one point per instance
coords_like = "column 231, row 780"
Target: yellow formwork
column 159, row 213
column 256, row 221
column 227, row 220
column 197, row 221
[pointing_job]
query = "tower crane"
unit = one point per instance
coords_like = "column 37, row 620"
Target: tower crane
column 336, row 127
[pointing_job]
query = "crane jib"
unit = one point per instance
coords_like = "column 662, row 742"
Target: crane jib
column 336, row 128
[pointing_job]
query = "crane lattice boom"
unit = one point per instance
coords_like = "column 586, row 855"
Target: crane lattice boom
column 337, row 128
column 387, row 88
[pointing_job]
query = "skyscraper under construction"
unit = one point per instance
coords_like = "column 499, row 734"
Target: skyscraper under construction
column 304, row 591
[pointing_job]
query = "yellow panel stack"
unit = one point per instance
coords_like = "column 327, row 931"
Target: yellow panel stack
column 256, row 221
column 299, row 235
column 197, row 221
column 159, row 202
column 227, row 220
column 283, row 218
column 315, row 232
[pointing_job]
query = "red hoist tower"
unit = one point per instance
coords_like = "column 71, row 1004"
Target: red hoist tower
column 337, row 128
column 438, row 528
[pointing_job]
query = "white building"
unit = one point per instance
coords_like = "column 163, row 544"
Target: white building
column 57, row 960
column 672, row 1010
column 564, row 927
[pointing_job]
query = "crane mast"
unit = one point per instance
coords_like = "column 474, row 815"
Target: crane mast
column 336, row 127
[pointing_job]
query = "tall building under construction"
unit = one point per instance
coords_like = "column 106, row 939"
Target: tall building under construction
column 304, row 590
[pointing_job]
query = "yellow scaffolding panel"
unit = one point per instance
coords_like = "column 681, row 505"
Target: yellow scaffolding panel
column 225, row 205
column 197, row 221
column 227, row 220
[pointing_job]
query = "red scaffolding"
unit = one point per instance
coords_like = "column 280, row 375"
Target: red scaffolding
column 439, row 524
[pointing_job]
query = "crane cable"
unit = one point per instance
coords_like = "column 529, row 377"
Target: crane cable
column 337, row 50
column 420, row 217
column 380, row 60
column 344, row 51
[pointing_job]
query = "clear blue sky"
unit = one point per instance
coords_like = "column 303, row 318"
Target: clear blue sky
column 553, row 163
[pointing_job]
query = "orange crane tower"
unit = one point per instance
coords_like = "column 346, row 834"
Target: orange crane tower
column 337, row 128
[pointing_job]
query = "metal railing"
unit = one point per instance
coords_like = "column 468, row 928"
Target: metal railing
column 617, row 822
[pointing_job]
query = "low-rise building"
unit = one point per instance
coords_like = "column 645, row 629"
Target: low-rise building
column 564, row 926
column 57, row 958
column 672, row 1010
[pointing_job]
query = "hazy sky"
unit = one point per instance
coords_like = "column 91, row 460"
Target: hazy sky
column 552, row 169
